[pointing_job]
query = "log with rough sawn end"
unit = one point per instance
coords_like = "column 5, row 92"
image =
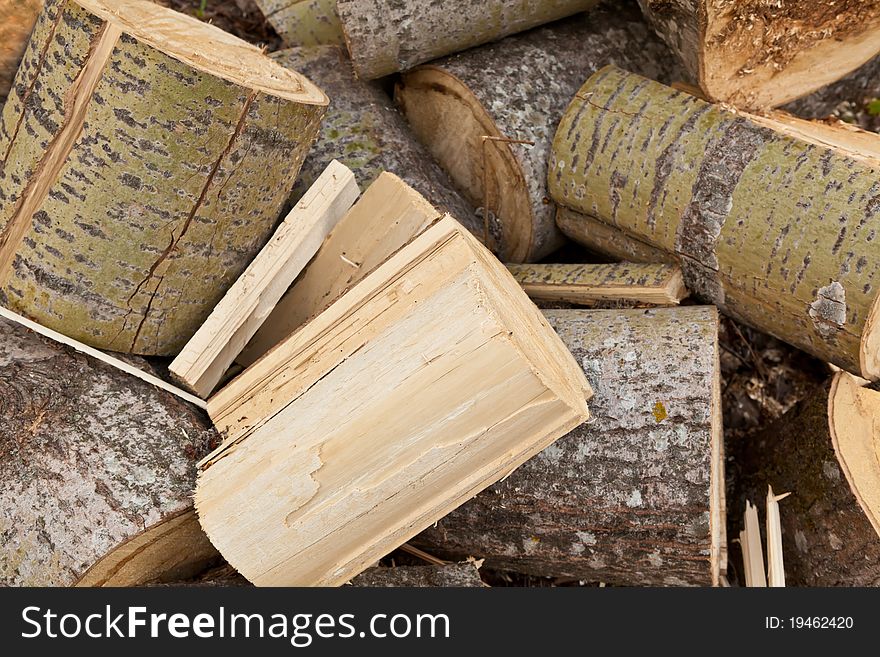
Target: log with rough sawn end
column 363, row 130
column 589, row 284
column 97, row 470
column 144, row 159
column 385, row 37
column 636, row 495
column 759, row 54
column 488, row 115
column 772, row 219
column 304, row 22
column 825, row 452
column 420, row 386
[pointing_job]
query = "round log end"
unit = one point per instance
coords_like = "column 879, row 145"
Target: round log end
column 854, row 425
column 205, row 47
column 459, row 132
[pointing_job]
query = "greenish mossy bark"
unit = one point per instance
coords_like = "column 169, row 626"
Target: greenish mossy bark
column 386, row 36
column 518, row 89
column 781, row 234
column 90, row 458
column 173, row 182
column 304, row 22
column 626, row 498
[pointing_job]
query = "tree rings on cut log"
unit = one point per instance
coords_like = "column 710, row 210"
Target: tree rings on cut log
column 773, row 219
column 97, row 470
column 826, row 452
column 144, row 159
column 488, row 115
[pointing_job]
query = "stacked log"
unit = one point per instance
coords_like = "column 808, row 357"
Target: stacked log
column 771, row 219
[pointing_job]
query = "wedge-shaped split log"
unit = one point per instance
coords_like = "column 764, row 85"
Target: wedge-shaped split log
column 97, row 470
column 636, row 495
column 773, row 219
column 204, row 360
column 488, row 116
column 826, row 453
column 759, row 54
column 385, row 36
column 648, row 284
column 427, row 381
column 388, row 215
column 144, row 159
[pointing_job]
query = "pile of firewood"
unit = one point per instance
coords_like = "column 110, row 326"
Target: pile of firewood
column 322, row 300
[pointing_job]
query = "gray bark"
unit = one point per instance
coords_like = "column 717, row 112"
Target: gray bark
column 626, row 498
column 453, row 575
column 90, row 458
column 366, row 133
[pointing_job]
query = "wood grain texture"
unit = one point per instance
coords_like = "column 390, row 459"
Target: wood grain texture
column 633, row 497
column 587, row 284
column 386, row 36
column 387, row 216
column 419, row 387
column 304, row 22
column 140, row 172
column 757, row 54
column 364, row 131
column 778, row 231
column 452, row 104
column 204, row 360
column 827, row 538
column 93, row 462
column 17, row 18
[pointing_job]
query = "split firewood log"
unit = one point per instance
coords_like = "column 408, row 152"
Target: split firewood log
column 488, row 115
column 365, row 132
column 144, row 159
column 97, row 470
column 760, row 54
column 636, row 495
column 772, row 218
column 17, row 18
column 385, row 36
column 826, row 453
